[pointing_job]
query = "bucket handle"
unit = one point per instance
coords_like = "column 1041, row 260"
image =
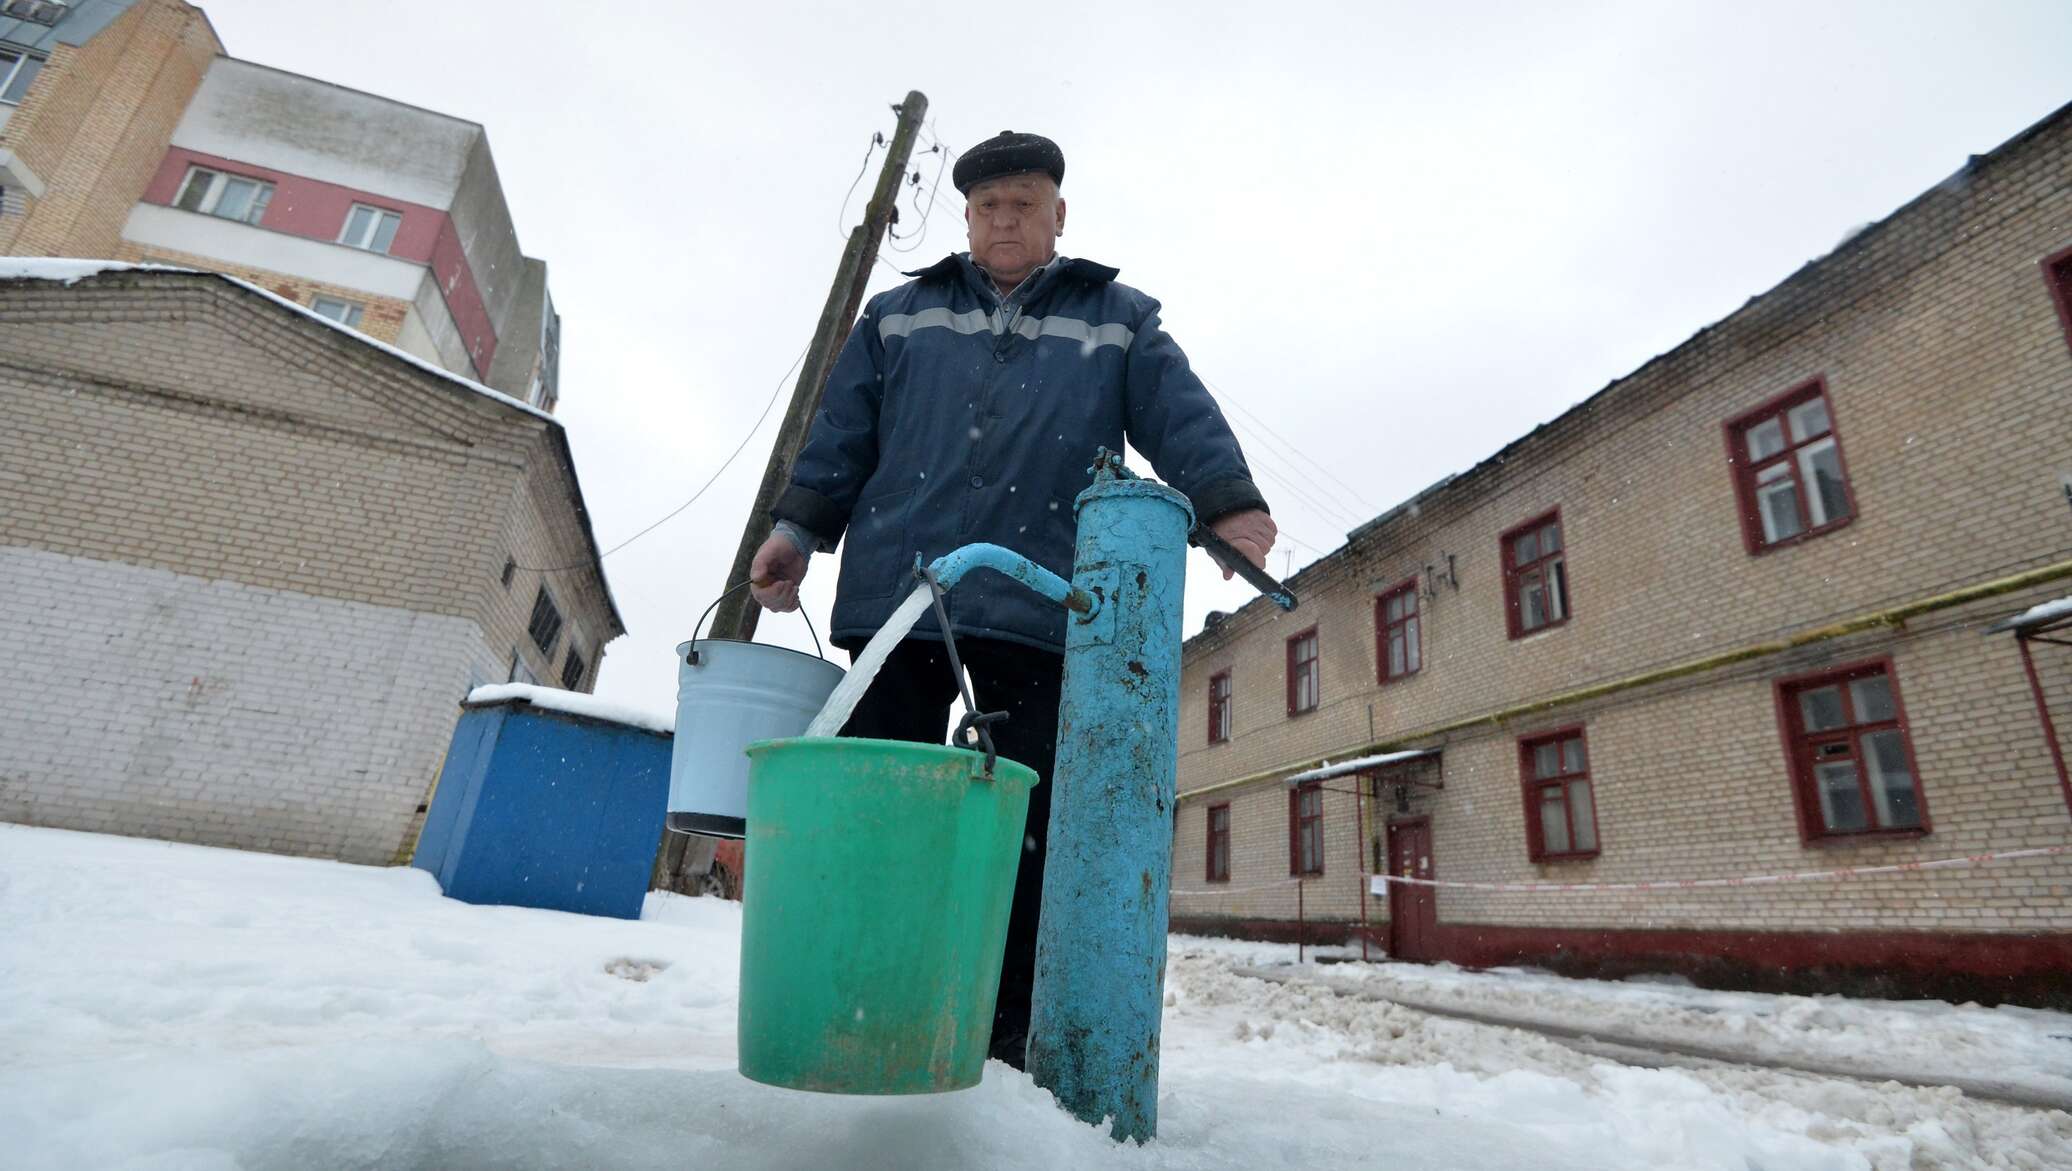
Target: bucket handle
column 692, row 657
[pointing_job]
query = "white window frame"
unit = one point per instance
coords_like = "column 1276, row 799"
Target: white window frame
column 212, row 196
column 375, row 217
column 10, row 69
column 352, row 311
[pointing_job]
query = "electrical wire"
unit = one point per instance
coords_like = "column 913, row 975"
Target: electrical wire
column 724, row 465
column 842, row 216
column 1372, row 509
column 915, row 187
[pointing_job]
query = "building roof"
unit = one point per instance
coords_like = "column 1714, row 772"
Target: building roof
column 1466, row 483
column 69, row 272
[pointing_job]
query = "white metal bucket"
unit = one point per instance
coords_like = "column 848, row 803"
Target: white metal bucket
column 728, row 695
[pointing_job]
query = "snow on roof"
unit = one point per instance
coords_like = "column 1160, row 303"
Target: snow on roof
column 574, row 703
column 1360, row 764
column 2040, row 614
column 69, row 271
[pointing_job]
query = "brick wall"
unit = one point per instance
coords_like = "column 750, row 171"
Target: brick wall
column 96, row 124
column 1947, row 373
column 227, row 508
column 381, row 320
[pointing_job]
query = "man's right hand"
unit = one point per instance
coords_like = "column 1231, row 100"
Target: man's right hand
column 775, row 574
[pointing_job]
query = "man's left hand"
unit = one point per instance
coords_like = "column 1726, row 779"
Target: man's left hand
column 1250, row 532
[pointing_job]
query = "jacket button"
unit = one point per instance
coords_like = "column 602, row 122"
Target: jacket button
column 1000, row 356
column 978, row 481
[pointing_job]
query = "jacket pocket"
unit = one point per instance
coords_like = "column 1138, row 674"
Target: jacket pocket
column 875, row 548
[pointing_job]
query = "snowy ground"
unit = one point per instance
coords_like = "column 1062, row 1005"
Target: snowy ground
column 166, row 1006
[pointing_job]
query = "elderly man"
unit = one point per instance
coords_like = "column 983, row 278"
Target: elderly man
column 966, row 407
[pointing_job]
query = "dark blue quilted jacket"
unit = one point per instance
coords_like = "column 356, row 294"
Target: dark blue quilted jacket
column 952, row 417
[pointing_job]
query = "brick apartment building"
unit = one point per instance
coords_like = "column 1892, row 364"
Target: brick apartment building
column 253, row 556
column 1727, row 618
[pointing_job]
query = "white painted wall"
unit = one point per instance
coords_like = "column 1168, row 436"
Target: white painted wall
column 309, row 127
column 234, row 242
column 146, row 702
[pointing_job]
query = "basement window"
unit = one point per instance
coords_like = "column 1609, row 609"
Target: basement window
column 371, row 228
column 1560, row 807
column 1788, row 469
column 573, row 668
column 230, row 197
column 346, row 313
column 545, row 626
column 1852, row 763
column 17, row 73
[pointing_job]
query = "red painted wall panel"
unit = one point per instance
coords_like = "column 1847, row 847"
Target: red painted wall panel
column 316, row 210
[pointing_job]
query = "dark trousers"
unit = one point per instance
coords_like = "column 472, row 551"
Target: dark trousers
column 911, row 701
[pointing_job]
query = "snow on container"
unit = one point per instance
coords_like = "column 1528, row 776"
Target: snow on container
column 548, row 799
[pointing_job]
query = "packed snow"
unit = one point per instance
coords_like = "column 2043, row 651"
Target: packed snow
column 170, row 1006
column 574, row 703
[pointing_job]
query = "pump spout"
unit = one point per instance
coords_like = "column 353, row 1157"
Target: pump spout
column 951, row 567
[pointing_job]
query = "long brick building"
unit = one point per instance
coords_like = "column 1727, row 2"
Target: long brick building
column 1728, row 618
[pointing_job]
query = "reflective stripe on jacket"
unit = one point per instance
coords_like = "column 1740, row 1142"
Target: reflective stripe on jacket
column 955, row 416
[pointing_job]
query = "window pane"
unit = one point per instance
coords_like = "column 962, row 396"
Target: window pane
column 1546, row 760
column 1841, row 802
column 385, row 232
column 356, row 225
column 1572, row 755
column 1808, row 419
column 1579, row 811
column 1557, row 594
column 1398, row 651
column 1525, row 549
column 1532, row 604
column 236, row 198
column 24, row 77
column 1416, row 651
column 1778, row 505
column 1765, row 439
column 1550, row 539
column 1553, row 823
column 1822, row 708
column 257, row 210
column 1892, row 783
column 196, row 189
column 1820, row 465
column 1872, row 698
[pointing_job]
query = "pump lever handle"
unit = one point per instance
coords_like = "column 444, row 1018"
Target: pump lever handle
column 1227, row 556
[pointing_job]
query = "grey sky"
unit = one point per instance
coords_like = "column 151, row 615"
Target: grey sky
column 1401, row 234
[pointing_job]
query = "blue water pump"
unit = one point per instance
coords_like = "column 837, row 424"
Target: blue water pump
column 1101, row 946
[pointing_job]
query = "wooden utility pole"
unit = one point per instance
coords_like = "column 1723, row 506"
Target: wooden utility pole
column 738, row 613
column 683, row 859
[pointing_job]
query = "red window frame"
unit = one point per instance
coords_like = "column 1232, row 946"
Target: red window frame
column 1747, row 471
column 1219, row 707
column 1218, row 862
column 2057, row 277
column 1306, row 824
column 1804, row 750
column 1311, row 666
column 1544, row 563
column 1570, row 781
column 1409, row 622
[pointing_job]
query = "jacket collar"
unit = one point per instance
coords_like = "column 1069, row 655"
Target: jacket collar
column 960, row 262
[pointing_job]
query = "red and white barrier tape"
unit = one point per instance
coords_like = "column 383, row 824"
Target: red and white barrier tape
column 1378, row 884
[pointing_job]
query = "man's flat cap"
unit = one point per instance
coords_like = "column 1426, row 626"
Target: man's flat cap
column 1008, row 153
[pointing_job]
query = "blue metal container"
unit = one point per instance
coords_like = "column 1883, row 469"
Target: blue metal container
column 1101, row 945
column 541, row 808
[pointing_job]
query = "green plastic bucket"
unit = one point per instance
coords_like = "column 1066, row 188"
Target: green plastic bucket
column 878, row 881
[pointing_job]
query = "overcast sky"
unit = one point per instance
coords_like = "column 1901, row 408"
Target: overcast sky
column 1394, row 237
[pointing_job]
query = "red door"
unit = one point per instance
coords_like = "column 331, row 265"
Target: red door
column 1413, row 910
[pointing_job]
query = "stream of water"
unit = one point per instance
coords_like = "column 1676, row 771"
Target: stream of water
column 846, row 693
